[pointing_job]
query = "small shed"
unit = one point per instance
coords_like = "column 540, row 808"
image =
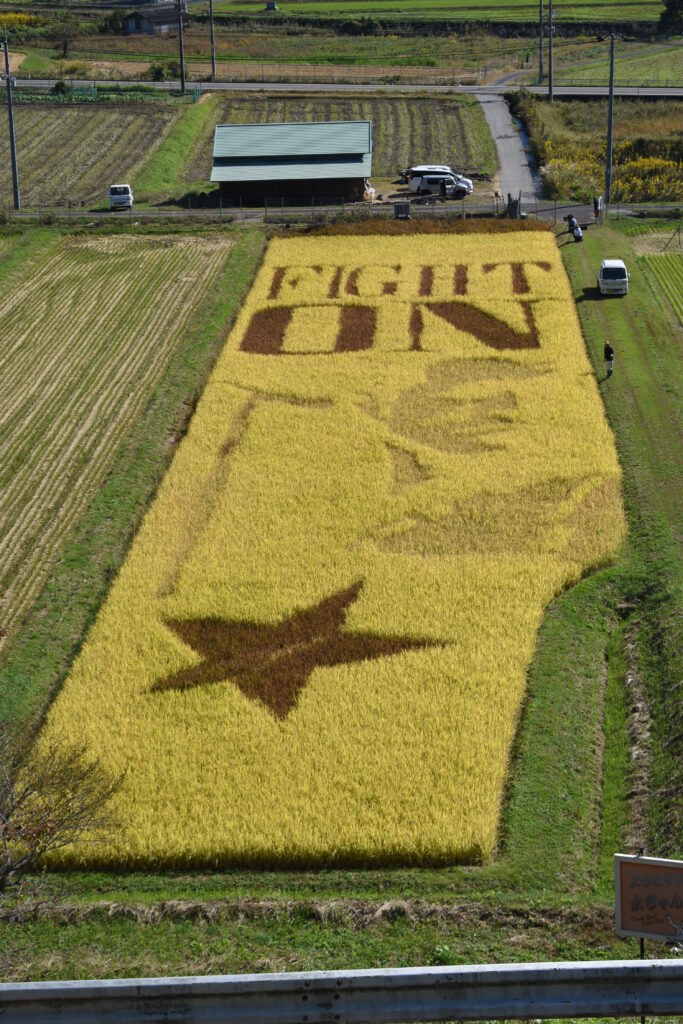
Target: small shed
column 296, row 161
column 154, row 19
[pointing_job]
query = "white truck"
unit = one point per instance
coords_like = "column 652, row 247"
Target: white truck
column 120, row 197
column 613, row 277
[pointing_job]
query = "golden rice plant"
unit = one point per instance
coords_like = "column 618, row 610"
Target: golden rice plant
column 316, row 650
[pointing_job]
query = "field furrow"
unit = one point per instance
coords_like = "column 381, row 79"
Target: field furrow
column 668, row 271
column 75, row 152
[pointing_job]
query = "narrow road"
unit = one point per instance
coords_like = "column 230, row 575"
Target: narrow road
column 515, row 173
column 560, row 91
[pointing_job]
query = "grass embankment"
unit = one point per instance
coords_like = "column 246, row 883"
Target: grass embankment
column 162, row 174
column 518, row 907
column 87, row 557
column 643, row 406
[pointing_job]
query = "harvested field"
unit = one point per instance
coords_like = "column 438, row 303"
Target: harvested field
column 89, row 327
column 668, row 272
column 403, row 129
column 75, row 152
column 324, row 626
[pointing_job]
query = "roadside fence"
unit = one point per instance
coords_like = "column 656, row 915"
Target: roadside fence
column 282, row 211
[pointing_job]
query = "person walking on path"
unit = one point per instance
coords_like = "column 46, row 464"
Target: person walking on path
column 609, row 358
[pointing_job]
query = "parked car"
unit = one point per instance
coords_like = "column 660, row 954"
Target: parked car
column 451, row 186
column 613, row 278
column 415, row 177
column 120, row 197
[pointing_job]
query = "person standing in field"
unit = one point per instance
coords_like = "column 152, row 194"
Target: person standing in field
column 609, row 358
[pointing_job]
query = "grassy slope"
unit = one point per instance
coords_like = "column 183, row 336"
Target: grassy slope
column 643, row 405
column 554, row 851
column 161, row 175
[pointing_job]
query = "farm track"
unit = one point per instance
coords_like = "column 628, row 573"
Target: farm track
column 75, row 152
column 72, row 387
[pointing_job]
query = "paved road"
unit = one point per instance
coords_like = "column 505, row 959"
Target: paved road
column 568, row 92
column 515, row 174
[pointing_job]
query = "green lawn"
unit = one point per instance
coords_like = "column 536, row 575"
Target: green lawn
column 548, row 893
column 483, row 10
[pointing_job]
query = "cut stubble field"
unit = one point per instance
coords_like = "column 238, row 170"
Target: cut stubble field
column 74, row 152
column 89, row 327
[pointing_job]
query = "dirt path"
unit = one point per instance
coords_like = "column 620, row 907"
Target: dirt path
column 15, row 59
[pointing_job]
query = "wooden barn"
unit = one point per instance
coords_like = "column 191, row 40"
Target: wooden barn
column 295, row 162
column 154, row 19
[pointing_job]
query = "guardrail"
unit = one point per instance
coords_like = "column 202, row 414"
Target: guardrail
column 492, row 992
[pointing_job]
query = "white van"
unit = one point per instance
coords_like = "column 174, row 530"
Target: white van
column 451, row 185
column 422, row 169
column 613, row 278
column 120, row 197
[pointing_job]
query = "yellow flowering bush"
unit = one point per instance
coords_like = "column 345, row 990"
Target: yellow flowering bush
column 316, row 650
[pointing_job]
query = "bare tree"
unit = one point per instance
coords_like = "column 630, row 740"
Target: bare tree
column 48, row 800
column 63, row 33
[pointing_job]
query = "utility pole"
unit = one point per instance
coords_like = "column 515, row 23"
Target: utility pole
column 182, row 49
column 610, row 118
column 12, row 140
column 213, row 44
column 550, row 51
column 540, row 42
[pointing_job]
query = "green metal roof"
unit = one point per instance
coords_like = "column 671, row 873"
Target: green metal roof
column 295, row 139
column 293, row 168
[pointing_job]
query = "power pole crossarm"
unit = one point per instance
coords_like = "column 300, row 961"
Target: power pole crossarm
column 12, row 140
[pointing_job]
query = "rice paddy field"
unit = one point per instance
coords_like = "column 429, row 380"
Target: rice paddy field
column 75, row 151
column 317, row 648
column 89, row 328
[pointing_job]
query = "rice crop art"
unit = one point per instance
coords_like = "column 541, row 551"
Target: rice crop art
column 316, row 650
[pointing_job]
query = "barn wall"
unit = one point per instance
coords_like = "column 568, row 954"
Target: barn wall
column 302, row 191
